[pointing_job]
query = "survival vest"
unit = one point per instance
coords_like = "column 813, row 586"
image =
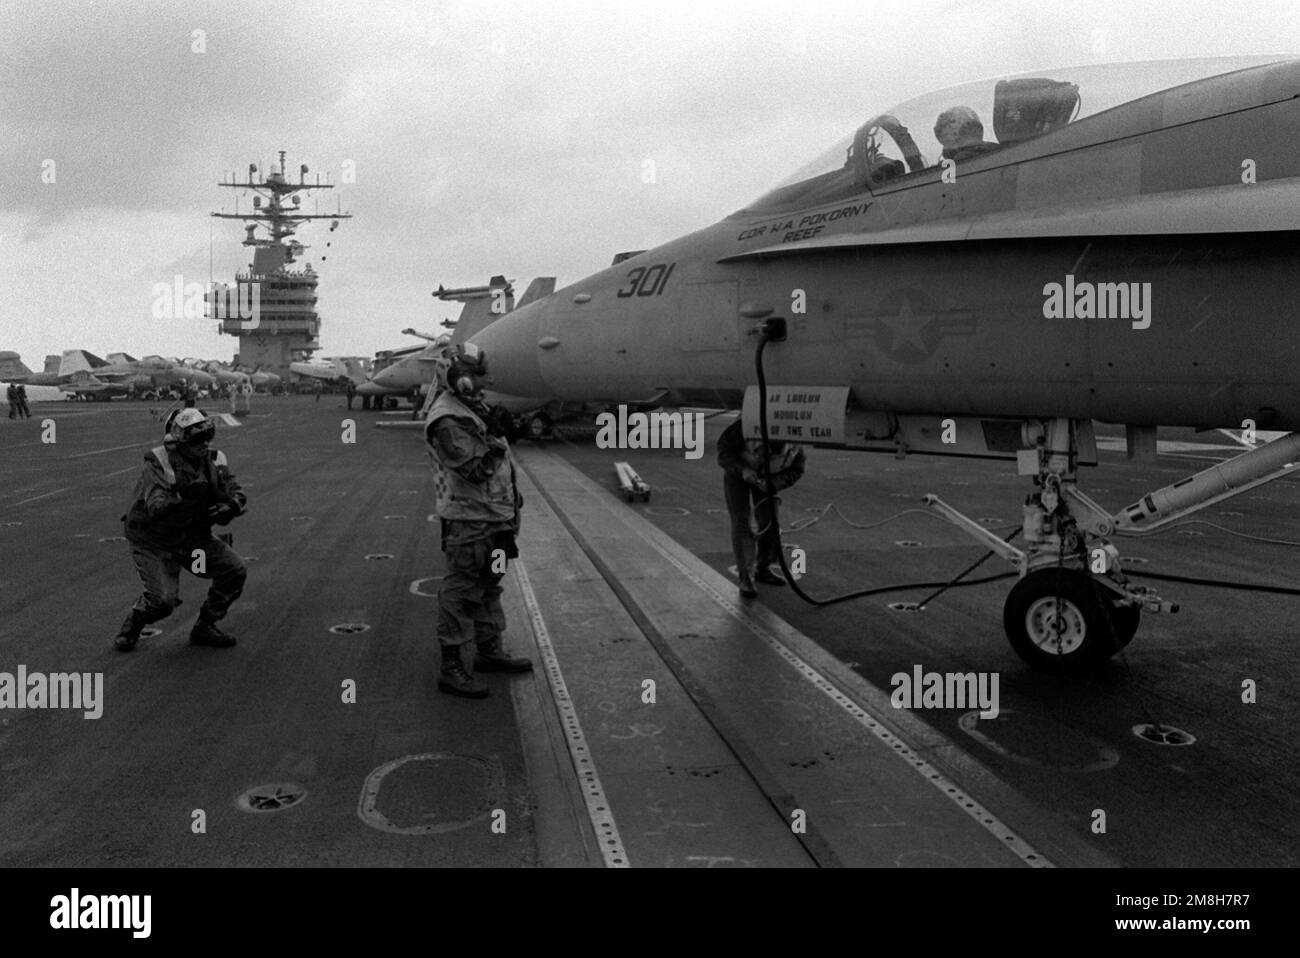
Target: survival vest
column 454, row 497
column 160, row 453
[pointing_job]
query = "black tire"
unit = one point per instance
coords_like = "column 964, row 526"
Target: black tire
column 1093, row 630
column 1124, row 620
column 539, row 426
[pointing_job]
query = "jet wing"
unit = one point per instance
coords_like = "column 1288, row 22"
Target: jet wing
column 1256, row 208
column 83, row 382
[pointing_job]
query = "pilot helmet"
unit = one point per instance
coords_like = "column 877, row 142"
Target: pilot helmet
column 958, row 126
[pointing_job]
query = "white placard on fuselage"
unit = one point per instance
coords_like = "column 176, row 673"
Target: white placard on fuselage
column 810, row 414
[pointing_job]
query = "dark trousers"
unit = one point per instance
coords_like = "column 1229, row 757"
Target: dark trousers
column 469, row 599
column 740, row 495
column 24, row 408
column 160, row 572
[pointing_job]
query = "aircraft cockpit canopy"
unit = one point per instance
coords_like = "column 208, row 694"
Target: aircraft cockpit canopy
column 975, row 120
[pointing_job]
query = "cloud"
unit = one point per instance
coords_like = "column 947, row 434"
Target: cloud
column 485, row 138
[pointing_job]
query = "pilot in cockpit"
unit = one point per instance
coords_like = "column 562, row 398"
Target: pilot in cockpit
column 959, row 130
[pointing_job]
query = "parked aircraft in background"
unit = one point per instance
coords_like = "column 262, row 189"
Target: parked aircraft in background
column 84, row 375
column 332, row 369
column 14, row 370
column 409, row 371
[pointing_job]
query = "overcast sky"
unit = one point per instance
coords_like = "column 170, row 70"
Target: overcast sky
column 486, row 138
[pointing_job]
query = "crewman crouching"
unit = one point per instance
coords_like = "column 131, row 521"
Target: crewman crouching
column 185, row 488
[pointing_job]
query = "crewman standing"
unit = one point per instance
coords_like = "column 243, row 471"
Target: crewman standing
column 11, row 397
column 746, row 464
column 24, row 410
column 478, row 503
column 185, row 488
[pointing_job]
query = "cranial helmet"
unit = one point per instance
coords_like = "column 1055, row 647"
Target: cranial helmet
column 467, row 363
column 189, row 425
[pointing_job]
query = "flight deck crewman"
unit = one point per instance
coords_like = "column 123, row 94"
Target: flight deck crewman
column 184, row 490
column 743, row 461
column 478, row 503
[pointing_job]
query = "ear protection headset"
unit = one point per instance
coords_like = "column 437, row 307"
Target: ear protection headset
column 467, row 363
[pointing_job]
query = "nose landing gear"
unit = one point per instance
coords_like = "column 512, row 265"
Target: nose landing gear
column 1073, row 608
column 1065, row 621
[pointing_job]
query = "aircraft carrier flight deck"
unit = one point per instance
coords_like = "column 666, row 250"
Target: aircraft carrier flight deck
column 668, row 722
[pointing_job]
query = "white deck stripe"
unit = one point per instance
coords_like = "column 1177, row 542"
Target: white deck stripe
column 986, row 819
column 598, row 807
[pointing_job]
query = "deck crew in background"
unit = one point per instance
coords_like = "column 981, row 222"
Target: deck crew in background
column 478, row 504
column 184, row 489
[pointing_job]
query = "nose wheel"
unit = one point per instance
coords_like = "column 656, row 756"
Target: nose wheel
column 539, row 426
column 1063, row 621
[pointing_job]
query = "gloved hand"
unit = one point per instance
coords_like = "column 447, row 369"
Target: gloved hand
column 750, row 476
column 224, row 511
column 500, row 422
column 196, row 491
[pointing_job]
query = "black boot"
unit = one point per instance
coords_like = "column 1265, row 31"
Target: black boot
column 454, row 680
column 205, row 632
column 490, row 657
column 129, row 634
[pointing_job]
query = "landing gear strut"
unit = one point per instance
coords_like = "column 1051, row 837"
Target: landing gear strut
column 1073, row 608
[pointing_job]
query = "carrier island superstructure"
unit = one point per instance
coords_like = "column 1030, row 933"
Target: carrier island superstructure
column 286, row 324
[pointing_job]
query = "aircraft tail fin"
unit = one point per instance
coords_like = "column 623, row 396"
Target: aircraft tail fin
column 480, row 311
column 12, row 367
column 52, row 363
column 355, row 370
column 539, row 288
column 117, row 358
column 75, row 360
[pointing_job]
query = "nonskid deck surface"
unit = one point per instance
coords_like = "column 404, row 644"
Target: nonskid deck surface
column 1065, row 748
column 769, row 741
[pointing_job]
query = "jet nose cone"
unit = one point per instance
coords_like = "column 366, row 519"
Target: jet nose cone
column 385, row 377
column 512, row 354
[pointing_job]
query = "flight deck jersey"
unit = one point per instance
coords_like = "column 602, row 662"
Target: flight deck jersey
column 160, row 518
column 456, row 499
